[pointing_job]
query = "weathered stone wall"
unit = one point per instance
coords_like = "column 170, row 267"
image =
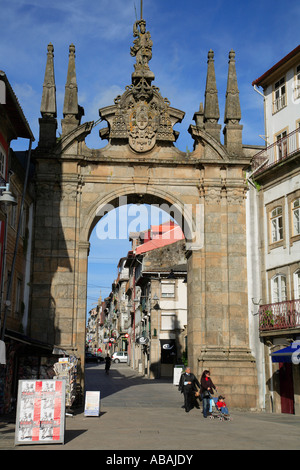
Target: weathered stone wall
column 72, row 188
column 140, row 163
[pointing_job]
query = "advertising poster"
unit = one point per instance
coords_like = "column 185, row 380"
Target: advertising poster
column 92, row 404
column 40, row 412
column 177, row 374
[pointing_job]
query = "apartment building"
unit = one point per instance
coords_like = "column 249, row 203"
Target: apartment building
column 25, row 357
column 273, row 207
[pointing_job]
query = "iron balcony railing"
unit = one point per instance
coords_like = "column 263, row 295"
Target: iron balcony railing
column 279, row 103
column 280, row 315
column 277, row 152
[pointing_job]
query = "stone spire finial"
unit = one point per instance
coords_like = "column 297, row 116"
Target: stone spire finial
column 233, row 130
column 48, row 104
column 71, row 111
column 211, row 107
column 232, row 106
column 48, row 122
column 71, row 90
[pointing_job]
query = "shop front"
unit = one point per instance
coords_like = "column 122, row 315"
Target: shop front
column 288, row 360
column 26, row 358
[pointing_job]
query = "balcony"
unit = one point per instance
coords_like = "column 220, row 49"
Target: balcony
column 279, row 103
column 279, row 316
column 276, row 153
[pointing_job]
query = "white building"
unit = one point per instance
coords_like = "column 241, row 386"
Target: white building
column 273, row 211
column 281, row 93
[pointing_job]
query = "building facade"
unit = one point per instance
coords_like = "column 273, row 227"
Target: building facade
column 25, row 357
column 274, row 227
column 157, row 300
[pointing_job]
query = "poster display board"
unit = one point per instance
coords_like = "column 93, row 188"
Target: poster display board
column 40, row 412
column 92, row 404
column 178, row 370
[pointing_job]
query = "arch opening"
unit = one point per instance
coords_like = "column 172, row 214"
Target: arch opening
column 189, row 217
column 111, row 229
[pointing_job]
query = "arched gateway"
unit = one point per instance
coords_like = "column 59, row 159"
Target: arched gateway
column 75, row 184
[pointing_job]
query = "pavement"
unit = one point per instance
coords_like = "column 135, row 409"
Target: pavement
column 146, row 416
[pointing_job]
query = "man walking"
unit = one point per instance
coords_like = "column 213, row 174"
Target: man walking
column 188, row 386
column 107, row 364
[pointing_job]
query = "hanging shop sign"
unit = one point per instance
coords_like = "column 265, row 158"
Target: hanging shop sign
column 143, row 340
column 40, row 412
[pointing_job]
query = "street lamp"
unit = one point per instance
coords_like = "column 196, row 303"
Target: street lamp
column 6, row 197
column 156, row 299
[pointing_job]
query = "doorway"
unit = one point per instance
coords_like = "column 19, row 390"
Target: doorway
column 286, row 387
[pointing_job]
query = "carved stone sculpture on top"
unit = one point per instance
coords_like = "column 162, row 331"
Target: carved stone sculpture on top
column 141, row 49
column 141, row 116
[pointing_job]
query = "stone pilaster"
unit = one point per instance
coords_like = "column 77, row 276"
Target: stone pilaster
column 217, row 293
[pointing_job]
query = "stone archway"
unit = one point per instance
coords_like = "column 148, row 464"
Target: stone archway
column 141, row 163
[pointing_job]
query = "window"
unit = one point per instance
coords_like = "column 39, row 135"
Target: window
column 296, row 216
column 167, row 289
column 278, row 285
column 281, row 140
column 18, row 296
column 297, row 82
column 168, row 321
column 297, row 284
column 23, row 222
column 276, row 224
column 280, row 95
column 13, row 216
column 2, row 163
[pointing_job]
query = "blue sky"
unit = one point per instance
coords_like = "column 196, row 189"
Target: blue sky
column 182, row 34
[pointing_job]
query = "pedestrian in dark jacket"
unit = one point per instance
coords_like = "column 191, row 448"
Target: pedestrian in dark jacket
column 188, row 386
column 207, row 387
column 107, row 364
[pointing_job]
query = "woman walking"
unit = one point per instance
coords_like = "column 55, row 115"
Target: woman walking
column 207, row 387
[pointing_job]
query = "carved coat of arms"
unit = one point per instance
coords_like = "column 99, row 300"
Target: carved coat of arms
column 142, row 127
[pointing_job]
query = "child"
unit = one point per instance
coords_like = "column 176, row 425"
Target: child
column 222, row 405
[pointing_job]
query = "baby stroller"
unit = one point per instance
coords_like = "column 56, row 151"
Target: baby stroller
column 221, row 413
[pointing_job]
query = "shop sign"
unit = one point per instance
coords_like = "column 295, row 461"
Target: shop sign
column 143, row 340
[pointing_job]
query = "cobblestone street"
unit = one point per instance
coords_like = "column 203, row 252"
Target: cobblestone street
column 140, row 414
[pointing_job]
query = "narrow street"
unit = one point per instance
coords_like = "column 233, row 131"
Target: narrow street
column 124, row 388
column 140, row 414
